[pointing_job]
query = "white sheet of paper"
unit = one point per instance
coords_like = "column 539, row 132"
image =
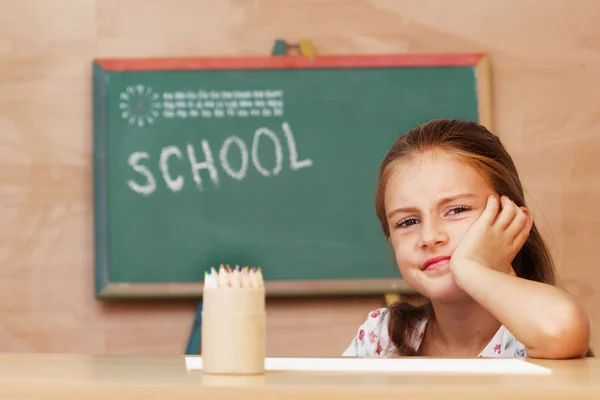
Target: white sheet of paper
column 406, row 365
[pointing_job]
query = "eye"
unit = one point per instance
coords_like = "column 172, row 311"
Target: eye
column 458, row 210
column 406, row 222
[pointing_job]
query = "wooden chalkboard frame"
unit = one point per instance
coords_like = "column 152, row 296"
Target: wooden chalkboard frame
column 106, row 289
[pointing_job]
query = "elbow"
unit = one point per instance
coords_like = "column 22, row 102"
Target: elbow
column 565, row 335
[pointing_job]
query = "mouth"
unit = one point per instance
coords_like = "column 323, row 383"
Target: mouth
column 436, row 263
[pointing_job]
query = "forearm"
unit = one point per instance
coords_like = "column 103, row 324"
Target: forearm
column 545, row 319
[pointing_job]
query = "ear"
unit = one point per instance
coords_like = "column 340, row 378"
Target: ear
column 528, row 215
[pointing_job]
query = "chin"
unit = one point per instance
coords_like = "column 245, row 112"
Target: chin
column 449, row 294
column 441, row 289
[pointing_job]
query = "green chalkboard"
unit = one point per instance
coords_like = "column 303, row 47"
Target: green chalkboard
column 265, row 161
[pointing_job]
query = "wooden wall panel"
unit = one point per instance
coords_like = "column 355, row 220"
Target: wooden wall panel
column 546, row 75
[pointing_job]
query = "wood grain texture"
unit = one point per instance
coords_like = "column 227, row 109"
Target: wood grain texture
column 76, row 376
column 545, row 57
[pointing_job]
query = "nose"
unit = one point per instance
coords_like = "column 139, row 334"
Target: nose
column 433, row 234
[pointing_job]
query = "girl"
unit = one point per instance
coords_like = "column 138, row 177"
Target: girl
column 451, row 204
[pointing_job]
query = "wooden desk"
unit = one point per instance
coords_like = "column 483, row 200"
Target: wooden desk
column 107, row 377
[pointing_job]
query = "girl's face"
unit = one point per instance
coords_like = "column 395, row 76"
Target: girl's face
column 431, row 201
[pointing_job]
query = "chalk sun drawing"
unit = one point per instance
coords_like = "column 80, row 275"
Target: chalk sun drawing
column 139, row 105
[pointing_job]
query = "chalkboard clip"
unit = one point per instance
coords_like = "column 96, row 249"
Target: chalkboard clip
column 279, row 48
column 305, row 47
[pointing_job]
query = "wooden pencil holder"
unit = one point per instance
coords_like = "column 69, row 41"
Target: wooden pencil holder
column 234, row 327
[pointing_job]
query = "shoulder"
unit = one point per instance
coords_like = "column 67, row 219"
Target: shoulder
column 504, row 344
column 372, row 337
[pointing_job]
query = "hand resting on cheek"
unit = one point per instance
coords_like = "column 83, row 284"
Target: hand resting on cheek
column 494, row 240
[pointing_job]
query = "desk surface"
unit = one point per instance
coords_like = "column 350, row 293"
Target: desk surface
column 70, row 376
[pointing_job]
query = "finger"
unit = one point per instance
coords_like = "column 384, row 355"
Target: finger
column 523, row 234
column 519, row 223
column 528, row 215
column 520, row 239
column 506, row 216
column 491, row 210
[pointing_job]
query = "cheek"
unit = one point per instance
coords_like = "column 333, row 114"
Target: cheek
column 404, row 250
column 457, row 229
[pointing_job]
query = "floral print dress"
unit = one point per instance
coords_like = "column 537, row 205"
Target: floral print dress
column 372, row 339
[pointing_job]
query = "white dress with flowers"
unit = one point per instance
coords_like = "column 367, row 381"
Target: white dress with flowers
column 372, row 339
